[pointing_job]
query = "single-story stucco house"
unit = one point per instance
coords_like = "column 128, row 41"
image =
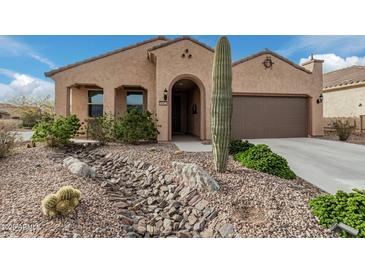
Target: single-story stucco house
column 344, row 96
column 272, row 96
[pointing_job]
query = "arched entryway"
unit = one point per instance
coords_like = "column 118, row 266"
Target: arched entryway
column 186, row 115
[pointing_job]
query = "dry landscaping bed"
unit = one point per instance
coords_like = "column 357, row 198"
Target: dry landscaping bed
column 131, row 199
column 355, row 138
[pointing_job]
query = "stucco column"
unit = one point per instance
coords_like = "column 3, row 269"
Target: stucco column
column 79, row 103
column 162, row 112
column 62, row 100
column 109, row 100
column 316, row 109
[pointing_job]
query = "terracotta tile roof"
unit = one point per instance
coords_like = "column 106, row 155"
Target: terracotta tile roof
column 52, row 72
column 164, row 44
column 344, row 77
column 267, row 51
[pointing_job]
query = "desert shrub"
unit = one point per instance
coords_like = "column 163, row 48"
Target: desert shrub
column 135, row 126
column 30, row 116
column 62, row 203
column 261, row 158
column 56, row 131
column 347, row 208
column 7, row 138
column 101, row 128
column 343, row 129
column 237, row 145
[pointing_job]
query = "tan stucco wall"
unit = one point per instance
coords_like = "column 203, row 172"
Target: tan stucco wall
column 171, row 67
column 130, row 67
column 252, row 77
column 344, row 103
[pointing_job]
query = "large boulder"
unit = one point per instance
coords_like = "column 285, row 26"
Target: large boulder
column 78, row 167
column 193, row 175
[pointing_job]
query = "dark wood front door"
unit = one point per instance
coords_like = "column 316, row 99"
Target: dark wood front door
column 176, row 114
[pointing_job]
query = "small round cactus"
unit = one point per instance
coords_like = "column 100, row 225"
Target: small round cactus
column 50, row 201
column 63, row 207
column 76, row 193
column 74, row 201
column 62, row 203
column 65, row 193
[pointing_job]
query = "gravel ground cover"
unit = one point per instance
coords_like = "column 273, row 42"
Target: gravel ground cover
column 355, row 138
column 26, row 177
column 256, row 204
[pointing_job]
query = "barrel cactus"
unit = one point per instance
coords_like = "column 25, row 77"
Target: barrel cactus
column 62, row 203
column 221, row 103
column 65, row 193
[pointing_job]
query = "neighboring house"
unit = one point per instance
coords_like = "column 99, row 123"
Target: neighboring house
column 272, row 96
column 344, row 96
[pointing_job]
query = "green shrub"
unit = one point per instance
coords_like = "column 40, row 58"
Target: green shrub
column 343, row 129
column 7, row 138
column 56, row 131
column 261, row 158
column 237, row 145
column 135, row 126
column 101, row 128
column 348, row 208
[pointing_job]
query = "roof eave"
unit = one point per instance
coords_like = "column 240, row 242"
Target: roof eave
column 342, row 87
column 88, row 60
column 170, row 42
column 267, row 51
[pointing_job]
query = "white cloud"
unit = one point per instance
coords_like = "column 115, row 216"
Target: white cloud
column 335, row 62
column 343, row 45
column 11, row 47
column 43, row 60
column 24, row 85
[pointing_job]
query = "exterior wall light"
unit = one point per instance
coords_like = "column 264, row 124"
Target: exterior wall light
column 320, row 99
column 165, row 95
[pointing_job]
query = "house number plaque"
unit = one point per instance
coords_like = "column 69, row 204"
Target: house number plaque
column 162, row 103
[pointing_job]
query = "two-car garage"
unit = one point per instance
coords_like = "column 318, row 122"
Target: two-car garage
column 269, row 116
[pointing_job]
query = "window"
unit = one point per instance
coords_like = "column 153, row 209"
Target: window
column 95, row 103
column 135, row 100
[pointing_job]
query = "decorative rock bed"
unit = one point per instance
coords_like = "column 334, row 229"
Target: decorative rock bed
column 153, row 203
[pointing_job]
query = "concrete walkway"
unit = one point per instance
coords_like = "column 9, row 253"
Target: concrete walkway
column 330, row 165
column 190, row 143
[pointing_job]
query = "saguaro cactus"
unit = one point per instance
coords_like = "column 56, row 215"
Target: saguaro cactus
column 221, row 103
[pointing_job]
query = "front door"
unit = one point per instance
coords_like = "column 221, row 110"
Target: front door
column 176, row 114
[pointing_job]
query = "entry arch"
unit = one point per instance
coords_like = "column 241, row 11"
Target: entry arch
column 202, row 104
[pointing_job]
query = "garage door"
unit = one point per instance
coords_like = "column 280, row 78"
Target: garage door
column 269, row 117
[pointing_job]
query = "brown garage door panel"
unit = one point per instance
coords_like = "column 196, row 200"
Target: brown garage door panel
column 269, row 117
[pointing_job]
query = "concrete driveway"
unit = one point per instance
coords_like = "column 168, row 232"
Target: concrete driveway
column 330, row 165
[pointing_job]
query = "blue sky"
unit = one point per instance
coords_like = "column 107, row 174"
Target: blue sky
column 24, row 59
